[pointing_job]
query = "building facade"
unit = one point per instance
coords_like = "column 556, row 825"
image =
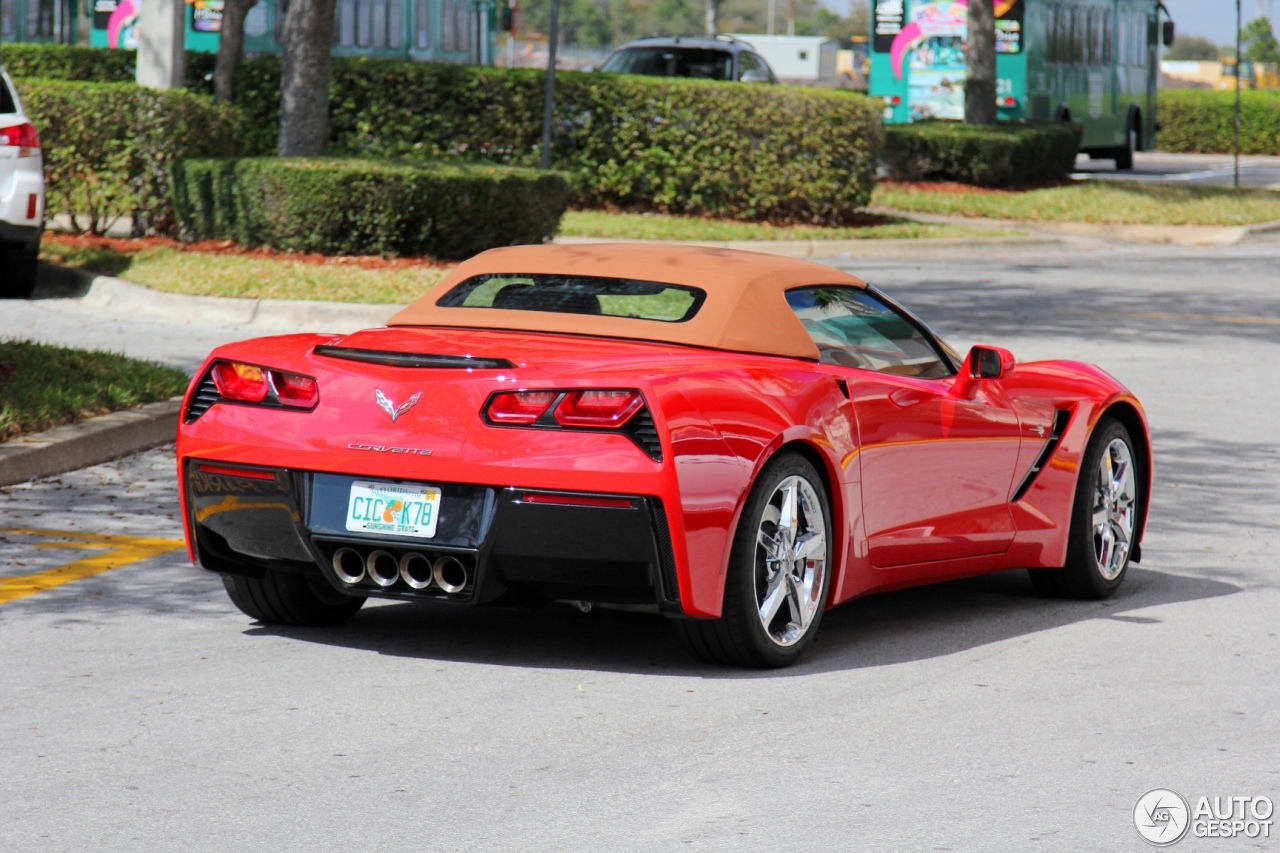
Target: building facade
column 461, row 31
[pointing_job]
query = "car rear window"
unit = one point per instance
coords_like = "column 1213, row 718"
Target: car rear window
column 703, row 63
column 607, row 297
column 7, row 104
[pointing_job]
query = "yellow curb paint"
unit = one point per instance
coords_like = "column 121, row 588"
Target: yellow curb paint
column 113, row 552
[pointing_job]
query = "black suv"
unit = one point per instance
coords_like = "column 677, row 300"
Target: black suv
column 720, row 58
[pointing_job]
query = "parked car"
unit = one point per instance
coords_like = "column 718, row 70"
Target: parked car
column 21, row 195
column 734, row 440
column 721, row 58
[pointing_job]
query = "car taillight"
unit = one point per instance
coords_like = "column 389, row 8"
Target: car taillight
column 1010, row 102
column 248, row 383
column 296, row 390
column 598, row 409
column 520, row 408
column 22, row 135
column 243, row 382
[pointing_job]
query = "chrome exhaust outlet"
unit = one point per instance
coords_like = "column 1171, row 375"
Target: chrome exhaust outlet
column 449, row 574
column 415, row 570
column 348, row 565
column 383, row 568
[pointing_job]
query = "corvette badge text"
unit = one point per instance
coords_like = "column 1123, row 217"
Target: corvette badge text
column 1163, row 817
column 382, row 448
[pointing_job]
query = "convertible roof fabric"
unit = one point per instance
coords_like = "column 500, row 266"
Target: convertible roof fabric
column 745, row 309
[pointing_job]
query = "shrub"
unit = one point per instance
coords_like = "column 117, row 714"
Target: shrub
column 988, row 155
column 92, row 64
column 360, row 207
column 1198, row 120
column 779, row 153
column 108, row 147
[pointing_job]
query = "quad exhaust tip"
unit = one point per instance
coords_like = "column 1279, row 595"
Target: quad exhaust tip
column 382, row 567
column 418, row 571
column 449, row 574
column 348, row 565
column 415, row 570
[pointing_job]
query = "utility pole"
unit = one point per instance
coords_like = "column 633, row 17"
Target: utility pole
column 161, row 31
column 1236, row 183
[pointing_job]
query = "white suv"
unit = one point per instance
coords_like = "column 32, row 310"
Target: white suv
column 21, row 195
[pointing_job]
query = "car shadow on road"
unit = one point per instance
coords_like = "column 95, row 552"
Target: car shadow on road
column 880, row 630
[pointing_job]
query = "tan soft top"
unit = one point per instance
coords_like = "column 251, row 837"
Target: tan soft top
column 745, row 309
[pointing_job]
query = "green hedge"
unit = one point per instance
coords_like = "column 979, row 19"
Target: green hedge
column 365, row 207
column 108, row 146
column 94, row 64
column 1201, row 120
column 987, row 155
column 780, row 153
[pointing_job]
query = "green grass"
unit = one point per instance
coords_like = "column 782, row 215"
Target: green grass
column 1105, row 202
column 42, row 386
column 654, row 226
column 205, row 274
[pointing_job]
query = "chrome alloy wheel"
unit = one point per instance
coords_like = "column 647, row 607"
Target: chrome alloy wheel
column 791, row 561
column 1114, row 511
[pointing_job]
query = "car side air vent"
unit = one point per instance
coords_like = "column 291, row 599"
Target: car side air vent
column 206, row 395
column 644, row 433
column 413, row 359
column 1061, row 418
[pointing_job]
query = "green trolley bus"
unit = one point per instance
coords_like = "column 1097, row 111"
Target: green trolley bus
column 1093, row 62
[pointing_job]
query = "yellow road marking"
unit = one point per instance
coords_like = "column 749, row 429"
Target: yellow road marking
column 113, row 552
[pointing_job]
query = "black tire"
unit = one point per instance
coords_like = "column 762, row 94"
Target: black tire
column 1083, row 577
column 1124, row 156
column 740, row 637
column 288, row 598
column 18, row 272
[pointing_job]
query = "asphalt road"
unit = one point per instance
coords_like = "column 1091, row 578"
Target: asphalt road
column 140, row 711
column 1190, row 169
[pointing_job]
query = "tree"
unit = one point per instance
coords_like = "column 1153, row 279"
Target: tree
column 980, row 59
column 1260, row 42
column 306, row 39
column 582, row 22
column 1193, row 49
column 230, row 47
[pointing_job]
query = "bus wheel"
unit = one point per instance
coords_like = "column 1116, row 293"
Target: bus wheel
column 1124, row 156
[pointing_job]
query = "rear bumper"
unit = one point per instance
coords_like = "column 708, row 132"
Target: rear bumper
column 21, row 200
column 516, row 545
column 26, row 237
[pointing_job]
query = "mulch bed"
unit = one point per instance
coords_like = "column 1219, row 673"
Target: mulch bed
column 132, row 245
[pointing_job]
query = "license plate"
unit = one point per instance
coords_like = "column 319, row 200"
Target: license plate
column 393, row 509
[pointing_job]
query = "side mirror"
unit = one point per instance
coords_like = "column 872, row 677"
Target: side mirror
column 988, row 363
column 1166, row 34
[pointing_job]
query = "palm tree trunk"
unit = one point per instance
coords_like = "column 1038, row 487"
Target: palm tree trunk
column 230, row 48
column 307, row 39
column 980, row 59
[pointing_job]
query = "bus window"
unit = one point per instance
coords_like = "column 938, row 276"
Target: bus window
column 1106, row 37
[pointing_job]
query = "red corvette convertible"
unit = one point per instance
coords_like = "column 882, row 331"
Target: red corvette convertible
column 734, row 440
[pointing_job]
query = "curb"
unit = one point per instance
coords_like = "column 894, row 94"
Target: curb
column 1182, row 235
column 90, row 442
column 124, row 297
column 838, row 249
